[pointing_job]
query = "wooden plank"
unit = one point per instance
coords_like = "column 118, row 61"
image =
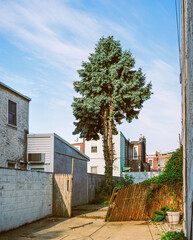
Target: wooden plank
column 128, row 190
column 112, row 199
column 130, row 203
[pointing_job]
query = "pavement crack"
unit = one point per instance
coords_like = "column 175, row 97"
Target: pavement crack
column 97, row 230
column 81, row 225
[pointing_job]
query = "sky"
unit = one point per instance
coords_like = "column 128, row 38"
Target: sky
column 43, row 43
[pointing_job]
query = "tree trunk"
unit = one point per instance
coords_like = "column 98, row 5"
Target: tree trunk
column 108, row 148
column 111, row 146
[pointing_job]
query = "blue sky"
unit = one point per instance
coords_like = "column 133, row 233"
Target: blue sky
column 42, row 44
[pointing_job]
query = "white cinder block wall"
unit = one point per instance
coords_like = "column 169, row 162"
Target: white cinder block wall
column 97, row 159
column 142, row 176
column 25, row 196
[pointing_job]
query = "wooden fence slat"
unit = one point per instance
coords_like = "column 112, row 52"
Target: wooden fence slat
column 131, row 203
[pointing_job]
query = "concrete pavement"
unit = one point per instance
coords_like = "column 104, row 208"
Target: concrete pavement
column 87, row 224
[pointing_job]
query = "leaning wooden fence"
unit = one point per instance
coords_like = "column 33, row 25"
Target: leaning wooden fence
column 133, row 203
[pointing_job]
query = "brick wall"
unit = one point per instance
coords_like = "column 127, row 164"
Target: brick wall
column 25, row 196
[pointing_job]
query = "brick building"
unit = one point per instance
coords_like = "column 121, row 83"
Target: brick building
column 137, row 160
column 14, row 127
column 152, row 159
column 130, row 155
column 80, row 145
column 158, row 160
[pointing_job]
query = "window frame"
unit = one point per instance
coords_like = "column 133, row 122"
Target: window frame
column 162, row 163
column 11, row 162
column 151, row 166
column 94, row 144
column 135, row 158
column 96, row 167
column 15, row 126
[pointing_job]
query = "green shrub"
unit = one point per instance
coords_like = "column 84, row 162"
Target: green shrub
column 161, row 215
column 172, row 172
column 123, row 182
column 173, row 236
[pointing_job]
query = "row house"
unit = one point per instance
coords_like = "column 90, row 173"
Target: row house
column 129, row 155
column 158, row 160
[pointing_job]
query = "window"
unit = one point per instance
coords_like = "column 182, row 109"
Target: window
column 93, row 146
column 135, row 152
column 12, row 113
column 10, row 165
column 162, row 163
column 94, row 170
column 36, row 157
column 151, row 163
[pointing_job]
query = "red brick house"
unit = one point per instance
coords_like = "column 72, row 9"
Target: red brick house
column 80, row 145
column 152, row 159
column 158, row 160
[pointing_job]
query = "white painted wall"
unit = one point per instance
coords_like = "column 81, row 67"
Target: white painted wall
column 97, row 159
column 42, row 143
column 25, row 196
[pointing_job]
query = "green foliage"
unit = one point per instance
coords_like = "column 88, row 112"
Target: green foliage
column 108, row 76
column 171, row 177
column 174, row 204
column 161, row 215
column 172, row 172
column 123, row 182
column 173, row 236
column 102, row 193
column 111, row 89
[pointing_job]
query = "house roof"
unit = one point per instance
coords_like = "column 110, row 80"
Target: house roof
column 14, row 91
column 39, row 135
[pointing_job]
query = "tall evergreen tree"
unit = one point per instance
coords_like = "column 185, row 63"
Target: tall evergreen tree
column 111, row 90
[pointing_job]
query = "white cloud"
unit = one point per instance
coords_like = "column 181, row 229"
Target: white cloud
column 59, row 37
column 38, row 26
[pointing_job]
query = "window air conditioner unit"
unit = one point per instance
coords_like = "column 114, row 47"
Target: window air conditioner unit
column 36, row 158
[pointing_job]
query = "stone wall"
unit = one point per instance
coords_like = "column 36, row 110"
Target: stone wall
column 25, row 196
column 141, row 176
column 16, row 137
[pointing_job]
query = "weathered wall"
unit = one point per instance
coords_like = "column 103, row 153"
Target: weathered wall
column 187, row 110
column 63, row 155
column 94, row 181
column 25, row 196
column 16, row 137
column 141, row 176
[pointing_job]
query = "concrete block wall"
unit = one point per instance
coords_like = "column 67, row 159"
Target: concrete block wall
column 93, row 182
column 141, row 176
column 25, row 196
column 16, row 137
